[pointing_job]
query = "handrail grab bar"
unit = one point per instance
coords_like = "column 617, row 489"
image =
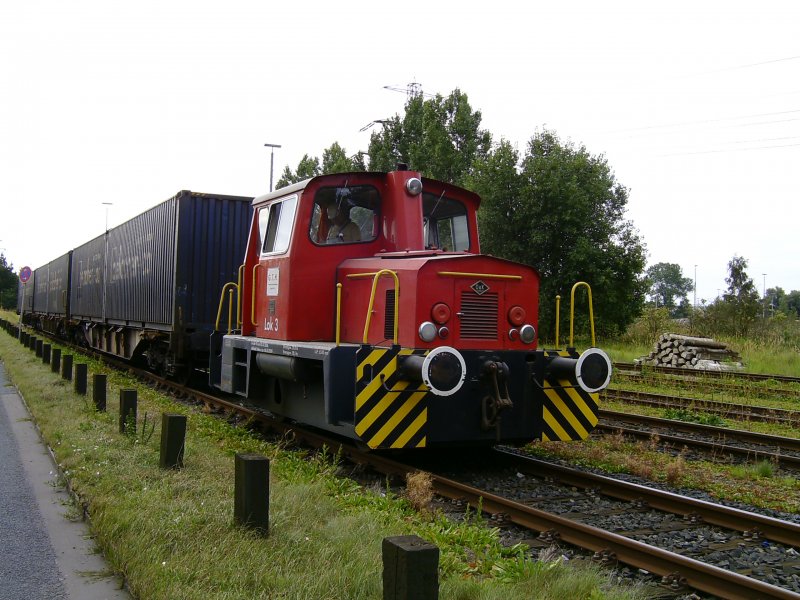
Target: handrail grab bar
column 572, row 313
column 253, row 296
column 230, row 287
column 378, row 275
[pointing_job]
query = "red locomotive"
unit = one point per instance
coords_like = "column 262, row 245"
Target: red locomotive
column 364, row 307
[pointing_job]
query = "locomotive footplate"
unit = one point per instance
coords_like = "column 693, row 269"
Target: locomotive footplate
column 392, row 397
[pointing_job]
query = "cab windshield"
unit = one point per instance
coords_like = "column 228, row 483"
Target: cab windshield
column 445, row 223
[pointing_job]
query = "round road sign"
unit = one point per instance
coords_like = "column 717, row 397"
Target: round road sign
column 24, row 274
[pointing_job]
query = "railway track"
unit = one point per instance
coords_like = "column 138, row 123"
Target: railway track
column 740, row 412
column 733, row 375
column 608, row 545
column 716, row 441
column 748, row 388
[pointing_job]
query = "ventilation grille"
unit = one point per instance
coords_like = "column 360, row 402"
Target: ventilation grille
column 388, row 321
column 478, row 316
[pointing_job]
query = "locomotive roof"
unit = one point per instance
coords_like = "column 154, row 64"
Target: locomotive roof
column 301, row 185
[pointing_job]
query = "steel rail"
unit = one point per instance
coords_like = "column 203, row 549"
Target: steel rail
column 723, row 433
column 626, row 366
column 741, row 411
column 699, row 575
column 732, row 387
column 777, row 530
column 779, row 459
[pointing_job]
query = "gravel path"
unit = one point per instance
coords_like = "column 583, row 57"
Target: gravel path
column 43, row 555
column 28, row 568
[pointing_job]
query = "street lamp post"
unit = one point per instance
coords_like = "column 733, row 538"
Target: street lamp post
column 695, row 286
column 764, row 304
column 271, row 161
column 107, row 204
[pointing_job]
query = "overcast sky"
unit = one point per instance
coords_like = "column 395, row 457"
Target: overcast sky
column 696, row 106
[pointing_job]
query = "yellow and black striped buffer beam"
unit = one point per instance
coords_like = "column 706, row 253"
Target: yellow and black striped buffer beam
column 391, row 412
column 568, row 412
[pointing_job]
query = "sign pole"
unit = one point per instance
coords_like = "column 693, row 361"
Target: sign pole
column 24, row 276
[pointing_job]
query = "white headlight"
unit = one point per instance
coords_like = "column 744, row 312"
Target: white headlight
column 527, row 333
column 427, row 331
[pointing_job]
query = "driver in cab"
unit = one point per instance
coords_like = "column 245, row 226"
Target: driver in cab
column 342, row 228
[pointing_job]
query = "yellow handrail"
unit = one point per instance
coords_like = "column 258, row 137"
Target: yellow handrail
column 239, row 297
column 233, row 286
column 338, row 312
column 479, row 275
column 558, row 318
column 572, row 313
column 253, row 296
column 378, row 275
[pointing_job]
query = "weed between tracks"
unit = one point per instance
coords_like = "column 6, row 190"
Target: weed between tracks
column 170, row 533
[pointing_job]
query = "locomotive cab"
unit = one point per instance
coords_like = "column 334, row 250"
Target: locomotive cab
column 365, row 308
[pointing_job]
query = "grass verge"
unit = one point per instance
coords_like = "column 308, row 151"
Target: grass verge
column 170, row 533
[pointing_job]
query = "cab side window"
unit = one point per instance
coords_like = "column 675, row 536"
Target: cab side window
column 345, row 215
column 275, row 223
column 445, row 223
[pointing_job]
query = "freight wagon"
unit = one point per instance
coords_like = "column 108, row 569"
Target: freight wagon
column 147, row 290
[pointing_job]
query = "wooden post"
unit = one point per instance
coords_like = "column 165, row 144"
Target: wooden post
column 173, row 438
column 66, row 367
column 81, row 373
column 32, row 343
column 128, row 400
column 99, row 382
column 55, row 363
column 46, row 348
column 38, row 349
column 410, row 568
column 251, row 492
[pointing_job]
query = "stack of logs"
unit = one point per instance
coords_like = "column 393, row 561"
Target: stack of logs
column 673, row 350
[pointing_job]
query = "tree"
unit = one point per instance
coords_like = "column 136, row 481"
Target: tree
column 667, row 284
column 742, row 298
column 334, row 160
column 561, row 210
column 9, row 284
column 307, row 167
column 775, row 299
column 793, row 304
column 440, row 136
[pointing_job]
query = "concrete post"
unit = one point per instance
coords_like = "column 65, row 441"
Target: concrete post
column 81, row 374
column 128, row 399
column 251, row 492
column 99, row 382
column 410, row 568
column 173, row 439
column 66, row 367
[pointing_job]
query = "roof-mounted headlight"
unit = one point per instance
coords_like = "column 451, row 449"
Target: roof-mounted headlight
column 414, row 186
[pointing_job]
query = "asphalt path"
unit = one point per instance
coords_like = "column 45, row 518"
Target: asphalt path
column 43, row 554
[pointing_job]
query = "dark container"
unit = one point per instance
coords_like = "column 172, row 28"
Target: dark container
column 88, row 278
column 164, row 269
column 51, row 287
